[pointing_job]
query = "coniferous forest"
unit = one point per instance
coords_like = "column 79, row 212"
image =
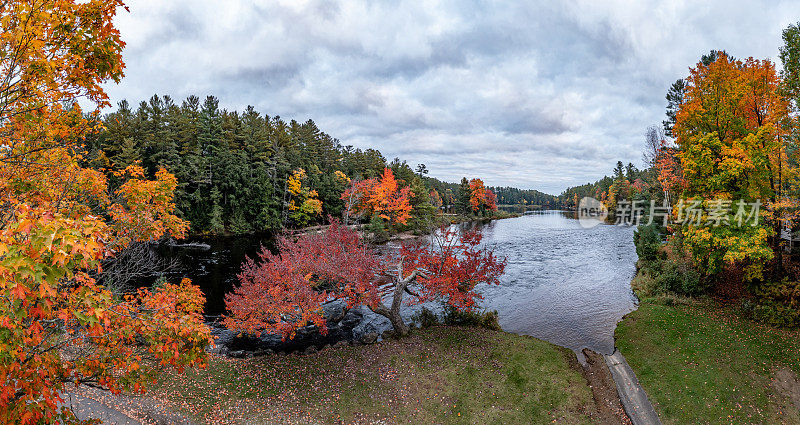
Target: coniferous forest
column 234, row 168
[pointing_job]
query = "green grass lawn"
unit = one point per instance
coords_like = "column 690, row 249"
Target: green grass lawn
column 437, row 375
column 701, row 363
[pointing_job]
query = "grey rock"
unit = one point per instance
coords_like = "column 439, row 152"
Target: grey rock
column 369, row 338
column 334, row 311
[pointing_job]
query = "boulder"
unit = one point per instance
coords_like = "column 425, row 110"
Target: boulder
column 334, row 311
column 341, row 324
column 260, row 353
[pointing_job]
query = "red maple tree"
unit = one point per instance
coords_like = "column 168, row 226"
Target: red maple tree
column 283, row 292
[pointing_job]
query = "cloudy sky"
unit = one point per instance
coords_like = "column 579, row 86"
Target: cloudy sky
column 541, row 95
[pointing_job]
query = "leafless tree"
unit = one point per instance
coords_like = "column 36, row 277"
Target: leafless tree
column 654, row 140
column 137, row 261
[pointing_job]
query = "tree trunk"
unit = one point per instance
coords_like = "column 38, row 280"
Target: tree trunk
column 400, row 328
column 393, row 313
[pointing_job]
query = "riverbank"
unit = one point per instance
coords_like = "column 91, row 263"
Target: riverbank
column 401, row 235
column 441, row 374
column 701, row 361
column 442, row 219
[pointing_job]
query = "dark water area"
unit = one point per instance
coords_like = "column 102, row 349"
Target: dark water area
column 563, row 283
column 213, row 263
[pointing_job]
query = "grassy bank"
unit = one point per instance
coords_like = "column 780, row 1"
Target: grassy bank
column 701, row 362
column 441, row 374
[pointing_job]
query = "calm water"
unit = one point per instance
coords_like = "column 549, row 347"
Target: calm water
column 563, row 283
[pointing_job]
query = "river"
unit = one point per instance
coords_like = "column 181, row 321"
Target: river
column 563, row 283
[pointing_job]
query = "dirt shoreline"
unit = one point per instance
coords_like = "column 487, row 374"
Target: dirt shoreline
column 609, row 409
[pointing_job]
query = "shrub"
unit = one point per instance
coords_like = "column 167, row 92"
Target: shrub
column 664, row 269
column 377, row 228
column 778, row 303
column 680, row 277
column 648, row 241
column 777, row 314
column 425, row 318
column 643, row 284
column 485, row 319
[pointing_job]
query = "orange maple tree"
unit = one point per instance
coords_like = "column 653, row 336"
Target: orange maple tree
column 283, row 292
column 481, row 198
column 382, row 196
column 732, row 134
column 436, row 200
column 58, row 221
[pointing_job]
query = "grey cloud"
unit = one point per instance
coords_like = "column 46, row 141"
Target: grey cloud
column 275, row 75
column 530, row 94
column 527, row 121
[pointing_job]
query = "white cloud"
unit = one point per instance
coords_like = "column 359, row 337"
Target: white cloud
column 544, row 95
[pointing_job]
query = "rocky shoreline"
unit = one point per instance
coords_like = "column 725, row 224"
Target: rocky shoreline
column 354, row 326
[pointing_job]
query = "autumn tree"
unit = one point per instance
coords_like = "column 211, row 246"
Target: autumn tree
column 59, row 221
column 669, row 173
column 730, row 132
column 481, row 199
column 282, row 292
column 436, row 200
column 303, row 203
column 382, row 196
column 477, row 194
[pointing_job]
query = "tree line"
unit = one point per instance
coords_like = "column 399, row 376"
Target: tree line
column 626, row 182
column 242, row 172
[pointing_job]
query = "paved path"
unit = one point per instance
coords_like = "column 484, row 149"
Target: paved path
column 88, row 408
column 92, row 403
column 632, row 395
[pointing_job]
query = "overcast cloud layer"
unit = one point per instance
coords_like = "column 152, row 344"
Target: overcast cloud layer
column 541, row 95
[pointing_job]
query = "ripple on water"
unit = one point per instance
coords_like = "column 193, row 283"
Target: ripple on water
column 563, row 283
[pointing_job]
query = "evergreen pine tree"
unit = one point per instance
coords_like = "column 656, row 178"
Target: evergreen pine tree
column 462, row 198
column 129, row 153
column 216, row 223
